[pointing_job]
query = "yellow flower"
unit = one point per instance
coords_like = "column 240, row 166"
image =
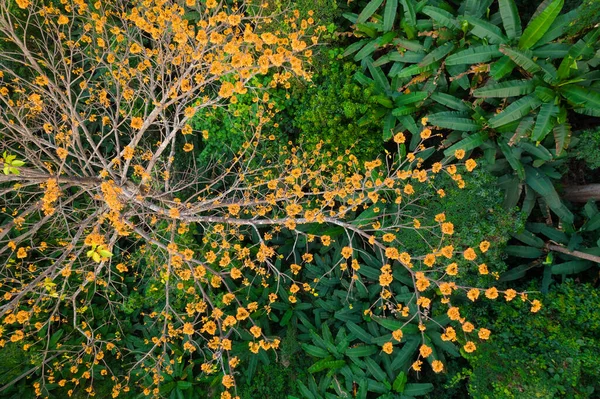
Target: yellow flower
column 389, row 237
column 188, row 328
column 228, row 381
column 137, row 122
column 425, row 351
column 535, row 306
column 484, row 246
column 388, row 348
column 491, row 293
column 459, row 154
column 484, row 333
column 429, row 260
column 510, row 294
column 23, row 4
column 188, row 147
column 21, row 253
column 256, row 331
column 473, row 294
column 437, row 366
column 346, row 252
column 468, row 327
column 417, row 365
column 452, row 269
column 399, row 138
column 397, row 335
column 385, row 279
column 454, row 313
column 242, row 314
column 470, row 165
column 483, row 269
column 449, row 334
column 469, row 254
column 470, row 347
column 448, row 228
column 63, row 20
column 426, row 133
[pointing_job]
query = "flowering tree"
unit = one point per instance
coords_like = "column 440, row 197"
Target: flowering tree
column 96, row 210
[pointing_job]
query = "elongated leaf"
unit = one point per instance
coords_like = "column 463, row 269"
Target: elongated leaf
column 559, row 26
column 544, row 122
column 410, row 15
column 359, row 332
column 437, row 54
column 411, row 45
column 562, row 137
column 523, row 251
column 572, row 267
column 389, row 14
column 515, row 273
column 467, row 144
column 454, row 120
column 486, row 30
column 381, row 81
column 581, row 96
column 540, row 24
column 415, row 70
column 449, row 101
column 515, row 111
column 502, row 67
column 475, row 8
column 521, row 58
column 510, row 88
column 369, row 10
column 354, row 47
column 529, row 238
column 405, row 353
column 552, row 50
column 474, row 55
column 411, row 98
column 542, row 185
column 510, row 18
column 375, row 370
column 368, row 49
column 513, row 158
column 314, row 350
column 442, row 17
column 362, row 351
column 417, row 389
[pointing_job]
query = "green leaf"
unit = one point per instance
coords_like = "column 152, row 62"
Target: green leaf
column 359, row 332
column 582, row 97
column 540, row 24
column 509, row 88
column 542, row 185
column 389, row 14
column 552, row 50
column 411, row 98
column 354, row 47
column 314, row 350
column 571, row 267
column 326, row 364
column 510, row 18
column 406, row 352
column 369, row 10
column 400, row 382
column 515, row 273
column 367, row 50
column 502, row 67
column 417, row 389
column 375, row 370
column 544, row 122
column 468, row 143
column 410, row 15
column 381, row 81
column 558, row 26
column 529, row 238
column 485, row 30
column 442, row 17
column 449, row 101
column 522, row 251
column 474, row 55
column 454, row 120
column 362, row 351
column 437, row 54
column 515, row 111
column 304, row 390
column 522, row 59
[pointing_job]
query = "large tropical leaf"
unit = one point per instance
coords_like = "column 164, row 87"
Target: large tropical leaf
column 562, row 137
column 450, row 101
column 409, row 12
column 542, row 185
column 586, row 99
column 544, row 122
column 454, row 120
column 510, row 18
column 486, row 30
column 468, row 143
column 442, row 17
column 437, row 54
column 515, row 111
column 474, row 55
column 540, row 24
column 369, row 10
column 475, row 8
column 509, row 88
column 389, row 14
column 521, row 58
column 502, row 67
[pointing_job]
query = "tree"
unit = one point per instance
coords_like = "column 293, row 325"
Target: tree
column 104, row 237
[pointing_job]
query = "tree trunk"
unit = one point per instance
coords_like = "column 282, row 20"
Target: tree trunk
column 583, row 193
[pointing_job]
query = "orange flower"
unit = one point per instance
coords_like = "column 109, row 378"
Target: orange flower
column 399, row 138
column 470, row 347
column 470, row 165
column 188, row 147
column 535, row 306
column 397, row 335
column 437, row 366
column 510, row 294
column 473, row 294
column 491, row 293
column 388, row 348
column 484, row 333
column 448, row 228
column 417, row 365
column 452, row 269
column 484, row 246
column 483, row 269
column 459, row 154
column 346, row 252
column 137, row 122
column 425, row 351
column 469, row 254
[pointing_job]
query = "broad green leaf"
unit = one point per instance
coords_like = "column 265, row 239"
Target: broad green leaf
column 375, row 370
column 406, row 352
column 359, row 332
column 475, row 8
column 559, row 26
column 314, row 350
column 367, row 49
column 502, row 67
column 512, row 156
column 417, row 389
column 571, row 267
column 409, row 12
column 328, row 363
column 521, row 58
column 544, row 122
column 583, row 97
column 467, row 144
column 474, row 55
column 368, row 11
column 542, row 185
column 515, row 111
column 354, row 47
column 362, row 351
column 548, row 231
column 416, row 70
column 454, row 120
column 540, row 24
column 449, row 101
column 529, row 238
column 411, row 45
column 486, row 30
column 379, row 77
column 510, row 18
column 437, row 54
column 545, row 94
column 389, row 14
column 411, row 98
column 516, row 273
column 522, row 251
column 400, row 382
column 552, row 50
column 442, row 17
column 510, row 88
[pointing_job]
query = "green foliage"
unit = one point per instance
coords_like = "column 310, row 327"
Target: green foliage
column 338, row 110
column 554, row 354
column 587, row 146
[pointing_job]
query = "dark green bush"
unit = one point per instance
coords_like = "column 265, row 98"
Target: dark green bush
column 553, row 354
column 587, row 148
